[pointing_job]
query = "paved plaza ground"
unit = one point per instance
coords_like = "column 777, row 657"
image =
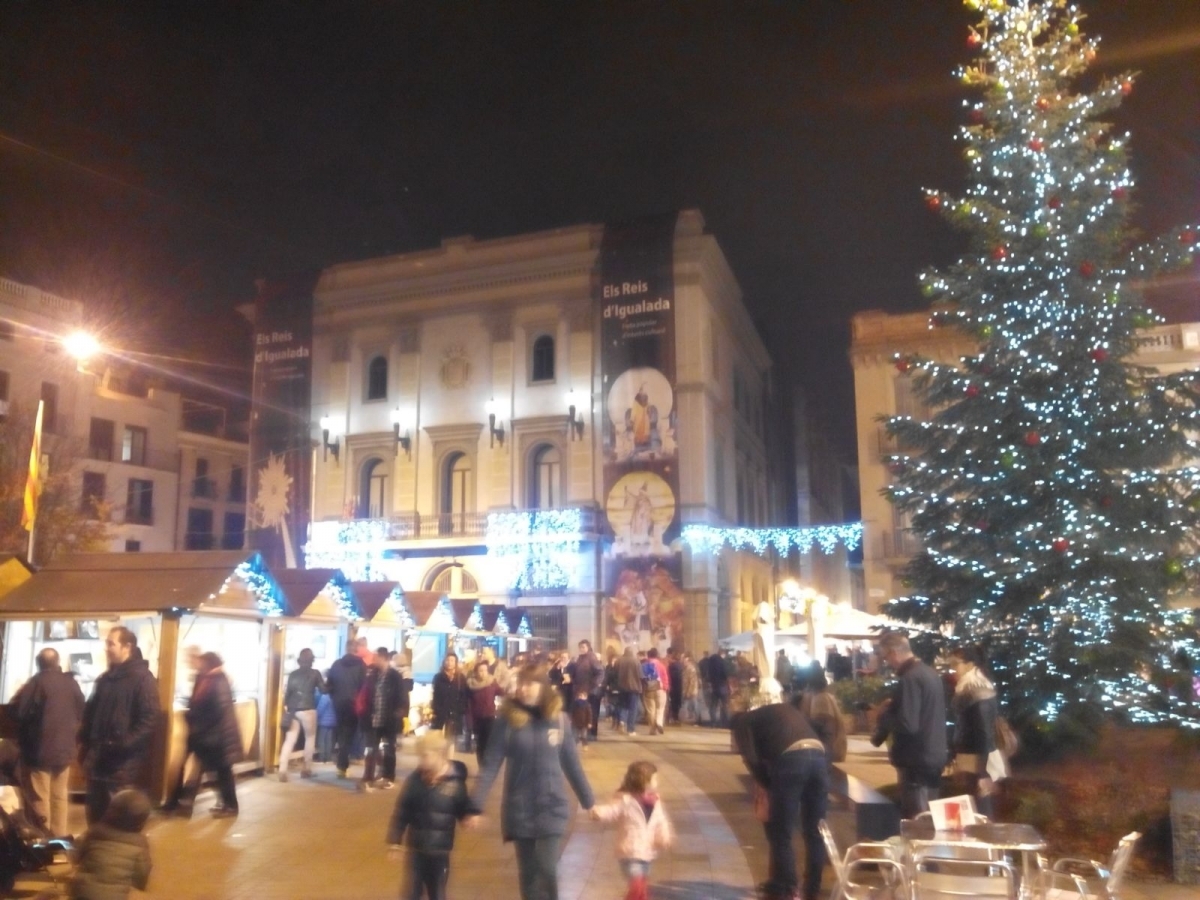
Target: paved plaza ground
column 321, row 840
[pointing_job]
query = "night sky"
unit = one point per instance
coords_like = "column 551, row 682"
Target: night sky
column 156, row 157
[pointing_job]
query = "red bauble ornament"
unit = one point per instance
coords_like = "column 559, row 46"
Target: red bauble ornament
column 1037, row 145
column 1120, row 193
column 902, row 365
column 933, row 202
column 1126, row 88
column 1087, row 269
column 976, row 116
column 1000, row 252
column 982, row 525
column 1054, row 202
column 1187, row 237
column 972, row 391
column 1032, row 438
column 1043, row 103
column 1106, row 501
column 1099, row 354
column 973, row 39
column 1060, row 545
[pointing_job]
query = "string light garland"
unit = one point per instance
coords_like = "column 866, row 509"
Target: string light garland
column 356, row 547
column 399, row 606
column 711, row 539
column 536, row 550
column 254, row 574
column 1049, row 488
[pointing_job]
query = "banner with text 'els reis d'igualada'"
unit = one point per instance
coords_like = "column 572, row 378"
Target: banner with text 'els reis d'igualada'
column 280, row 433
column 635, row 296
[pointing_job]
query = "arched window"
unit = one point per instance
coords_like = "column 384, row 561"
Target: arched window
column 542, row 365
column 452, row 579
column 377, row 378
column 372, row 490
column 455, row 494
column 545, row 482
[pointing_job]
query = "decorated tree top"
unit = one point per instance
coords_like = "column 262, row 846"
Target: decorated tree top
column 1054, row 489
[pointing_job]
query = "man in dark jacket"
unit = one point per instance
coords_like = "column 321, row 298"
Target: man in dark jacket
column 346, row 678
column 587, row 676
column 386, row 707
column 915, row 718
column 716, row 673
column 675, row 680
column 629, row 689
column 118, row 723
column 786, row 756
column 48, row 708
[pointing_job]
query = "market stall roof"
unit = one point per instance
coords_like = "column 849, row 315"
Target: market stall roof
column 431, row 610
column 494, row 621
column 85, row 584
column 383, row 603
column 318, row 594
column 13, row 571
column 516, row 617
column 468, row 617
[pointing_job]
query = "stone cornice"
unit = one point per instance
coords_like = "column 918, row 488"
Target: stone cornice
column 467, row 431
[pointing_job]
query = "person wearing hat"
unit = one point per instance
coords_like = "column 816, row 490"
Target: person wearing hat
column 432, row 801
column 533, row 740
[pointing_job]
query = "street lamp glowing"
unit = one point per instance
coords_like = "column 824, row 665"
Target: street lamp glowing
column 81, row 345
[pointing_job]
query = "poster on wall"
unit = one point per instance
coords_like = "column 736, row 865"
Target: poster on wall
column 280, row 442
column 635, row 296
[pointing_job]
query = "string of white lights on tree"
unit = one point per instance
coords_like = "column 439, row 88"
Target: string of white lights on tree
column 536, row 550
column 254, row 574
column 1051, row 489
column 711, row 539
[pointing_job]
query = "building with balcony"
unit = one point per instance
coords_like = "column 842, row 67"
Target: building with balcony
column 880, row 390
column 143, row 461
column 461, row 446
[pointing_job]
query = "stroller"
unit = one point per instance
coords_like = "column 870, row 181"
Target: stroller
column 24, row 846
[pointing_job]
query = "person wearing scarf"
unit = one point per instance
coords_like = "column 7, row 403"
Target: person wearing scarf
column 975, row 709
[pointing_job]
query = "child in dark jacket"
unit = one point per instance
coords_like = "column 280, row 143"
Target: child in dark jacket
column 114, row 857
column 431, row 803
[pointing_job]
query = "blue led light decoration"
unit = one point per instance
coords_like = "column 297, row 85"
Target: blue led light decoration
column 441, row 619
column 356, row 547
column 254, row 574
column 710, row 539
column 536, row 550
column 396, row 601
column 1053, row 489
column 339, row 590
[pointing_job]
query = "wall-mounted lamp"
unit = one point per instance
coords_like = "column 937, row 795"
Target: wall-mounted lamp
column 328, row 427
column 574, row 404
column 402, row 440
column 497, row 431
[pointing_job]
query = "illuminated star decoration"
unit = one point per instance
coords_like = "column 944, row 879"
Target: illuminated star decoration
column 272, row 502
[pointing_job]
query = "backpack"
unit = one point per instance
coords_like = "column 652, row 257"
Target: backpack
column 362, row 700
column 650, row 682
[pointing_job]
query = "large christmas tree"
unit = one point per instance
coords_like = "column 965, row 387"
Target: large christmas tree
column 1055, row 488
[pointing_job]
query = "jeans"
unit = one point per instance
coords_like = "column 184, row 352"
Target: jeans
column 206, row 761
column 428, row 874
column 799, row 784
column 483, row 731
column 537, row 867
column 718, row 709
column 628, row 703
column 46, row 794
column 306, row 719
column 347, row 734
column 380, row 742
column 325, row 743
column 594, row 701
column 691, row 709
column 917, row 788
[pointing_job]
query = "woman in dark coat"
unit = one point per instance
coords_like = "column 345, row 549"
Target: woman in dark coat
column 213, row 736
column 449, row 702
column 532, row 739
column 483, row 691
column 975, row 709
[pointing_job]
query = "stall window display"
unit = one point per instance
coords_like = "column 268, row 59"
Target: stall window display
column 80, row 645
column 325, row 641
column 241, row 645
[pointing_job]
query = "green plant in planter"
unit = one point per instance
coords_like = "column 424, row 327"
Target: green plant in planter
column 860, row 694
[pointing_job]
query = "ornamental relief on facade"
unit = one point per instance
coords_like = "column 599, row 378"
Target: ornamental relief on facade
column 456, row 368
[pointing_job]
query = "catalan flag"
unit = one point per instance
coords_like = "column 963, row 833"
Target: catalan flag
column 33, row 483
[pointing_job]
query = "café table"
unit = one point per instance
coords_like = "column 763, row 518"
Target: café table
column 923, row 840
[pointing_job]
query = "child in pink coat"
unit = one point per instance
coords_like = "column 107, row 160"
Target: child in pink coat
column 642, row 825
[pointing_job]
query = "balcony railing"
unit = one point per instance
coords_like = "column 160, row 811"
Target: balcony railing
column 409, row 526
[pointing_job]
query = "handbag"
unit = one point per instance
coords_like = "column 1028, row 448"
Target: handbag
column 285, row 723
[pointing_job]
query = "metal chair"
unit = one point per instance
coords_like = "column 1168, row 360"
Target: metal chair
column 880, row 859
column 977, row 878
column 1073, row 878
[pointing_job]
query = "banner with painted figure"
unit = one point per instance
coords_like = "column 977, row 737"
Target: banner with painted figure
column 635, row 296
column 280, row 433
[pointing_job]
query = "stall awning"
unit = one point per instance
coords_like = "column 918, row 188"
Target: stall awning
column 518, row 622
column 318, row 594
column 86, row 584
column 383, row 603
column 493, row 618
column 468, row 618
column 431, row 611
